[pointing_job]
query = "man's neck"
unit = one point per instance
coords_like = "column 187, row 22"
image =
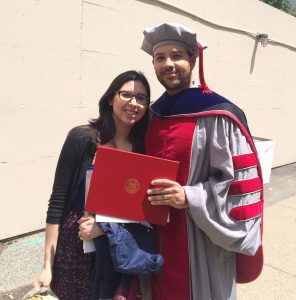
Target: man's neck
column 173, row 92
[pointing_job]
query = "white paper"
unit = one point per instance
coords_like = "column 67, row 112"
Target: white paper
column 109, row 219
column 88, row 246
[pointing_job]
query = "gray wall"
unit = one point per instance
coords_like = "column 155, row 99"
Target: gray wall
column 57, row 57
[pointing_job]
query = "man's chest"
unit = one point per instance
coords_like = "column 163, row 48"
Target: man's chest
column 171, row 138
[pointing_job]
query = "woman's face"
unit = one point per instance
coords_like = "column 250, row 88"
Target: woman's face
column 126, row 111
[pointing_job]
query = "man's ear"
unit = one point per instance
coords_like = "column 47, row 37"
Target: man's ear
column 153, row 64
column 192, row 61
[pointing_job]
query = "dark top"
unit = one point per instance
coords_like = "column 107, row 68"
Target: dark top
column 75, row 158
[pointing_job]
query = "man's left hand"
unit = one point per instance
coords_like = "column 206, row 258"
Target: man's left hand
column 168, row 192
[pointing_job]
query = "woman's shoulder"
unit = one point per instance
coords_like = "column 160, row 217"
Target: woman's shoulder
column 77, row 130
column 82, row 132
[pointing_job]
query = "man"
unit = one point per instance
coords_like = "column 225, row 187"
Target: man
column 213, row 239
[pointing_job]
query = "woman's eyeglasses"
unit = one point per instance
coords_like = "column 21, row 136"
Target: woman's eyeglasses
column 127, row 96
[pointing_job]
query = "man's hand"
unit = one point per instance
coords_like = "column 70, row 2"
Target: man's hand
column 168, row 192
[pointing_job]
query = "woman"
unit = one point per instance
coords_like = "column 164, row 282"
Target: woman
column 122, row 124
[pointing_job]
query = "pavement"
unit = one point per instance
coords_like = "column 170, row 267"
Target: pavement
column 278, row 278
column 21, row 258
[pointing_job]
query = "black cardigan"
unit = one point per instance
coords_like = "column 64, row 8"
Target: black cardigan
column 76, row 156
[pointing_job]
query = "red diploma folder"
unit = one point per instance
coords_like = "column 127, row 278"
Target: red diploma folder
column 119, row 184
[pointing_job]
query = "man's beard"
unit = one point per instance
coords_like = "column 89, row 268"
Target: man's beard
column 182, row 83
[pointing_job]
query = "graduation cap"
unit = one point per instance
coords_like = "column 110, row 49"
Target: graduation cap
column 170, row 34
column 175, row 34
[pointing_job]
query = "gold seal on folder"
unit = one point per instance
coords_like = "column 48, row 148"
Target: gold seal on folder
column 132, row 186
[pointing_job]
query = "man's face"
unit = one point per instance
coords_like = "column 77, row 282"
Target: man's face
column 173, row 67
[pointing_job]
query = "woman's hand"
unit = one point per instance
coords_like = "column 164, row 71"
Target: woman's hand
column 88, row 228
column 169, row 193
column 44, row 279
column 51, row 236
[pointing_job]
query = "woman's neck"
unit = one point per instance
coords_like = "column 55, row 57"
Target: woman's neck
column 121, row 140
column 121, row 144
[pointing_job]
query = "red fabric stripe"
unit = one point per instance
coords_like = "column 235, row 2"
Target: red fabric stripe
column 246, row 212
column 245, row 186
column 244, row 161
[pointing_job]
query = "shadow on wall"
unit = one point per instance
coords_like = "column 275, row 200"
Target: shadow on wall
column 254, row 56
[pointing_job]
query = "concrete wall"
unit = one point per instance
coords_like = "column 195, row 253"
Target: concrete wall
column 57, row 57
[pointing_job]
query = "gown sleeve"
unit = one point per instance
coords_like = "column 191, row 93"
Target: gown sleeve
column 217, row 188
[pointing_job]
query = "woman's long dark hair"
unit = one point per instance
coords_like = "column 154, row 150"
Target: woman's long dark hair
column 105, row 123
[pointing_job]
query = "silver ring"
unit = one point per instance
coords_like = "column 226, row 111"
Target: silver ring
column 165, row 197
